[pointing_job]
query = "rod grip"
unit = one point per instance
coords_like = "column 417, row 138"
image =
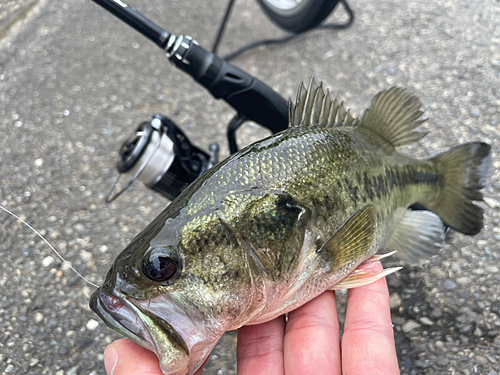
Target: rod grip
column 245, row 93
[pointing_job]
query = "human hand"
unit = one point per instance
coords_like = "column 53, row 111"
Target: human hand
column 308, row 343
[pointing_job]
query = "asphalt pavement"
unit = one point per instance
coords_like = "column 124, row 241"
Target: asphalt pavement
column 74, row 82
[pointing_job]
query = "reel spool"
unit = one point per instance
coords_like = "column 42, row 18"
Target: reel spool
column 161, row 156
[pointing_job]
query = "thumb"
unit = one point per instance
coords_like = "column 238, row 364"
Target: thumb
column 125, row 357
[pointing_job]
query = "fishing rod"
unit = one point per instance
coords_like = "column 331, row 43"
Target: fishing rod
column 158, row 153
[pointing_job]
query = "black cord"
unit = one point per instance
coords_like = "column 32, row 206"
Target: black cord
column 238, row 120
column 222, row 27
column 265, row 42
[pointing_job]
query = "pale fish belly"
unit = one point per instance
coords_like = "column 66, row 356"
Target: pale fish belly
column 313, row 276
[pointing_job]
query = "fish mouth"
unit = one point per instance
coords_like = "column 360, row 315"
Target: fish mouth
column 131, row 321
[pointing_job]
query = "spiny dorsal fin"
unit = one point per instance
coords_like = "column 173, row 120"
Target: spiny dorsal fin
column 315, row 107
column 392, row 115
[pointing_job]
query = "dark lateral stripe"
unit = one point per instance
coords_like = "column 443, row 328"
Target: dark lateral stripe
column 425, row 178
column 379, row 186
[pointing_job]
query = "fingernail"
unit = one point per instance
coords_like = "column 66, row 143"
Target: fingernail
column 110, row 359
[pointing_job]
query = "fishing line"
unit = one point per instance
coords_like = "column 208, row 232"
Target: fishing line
column 52, row 247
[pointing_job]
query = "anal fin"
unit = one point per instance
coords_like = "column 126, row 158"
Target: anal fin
column 418, row 236
column 379, row 256
column 363, row 276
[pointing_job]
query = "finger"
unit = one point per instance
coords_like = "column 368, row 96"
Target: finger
column 312, row 343
column 260, row 348
column 125, row 357
column 368, row 341
column 200, row 370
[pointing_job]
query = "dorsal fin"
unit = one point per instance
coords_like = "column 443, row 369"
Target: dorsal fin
column 315, row 107
column 392, row 115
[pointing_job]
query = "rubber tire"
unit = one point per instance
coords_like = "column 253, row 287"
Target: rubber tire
column 311, row 15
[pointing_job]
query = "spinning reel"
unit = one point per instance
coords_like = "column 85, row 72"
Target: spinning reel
column 158, row 153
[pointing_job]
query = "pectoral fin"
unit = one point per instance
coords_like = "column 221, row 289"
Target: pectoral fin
column 352, row 240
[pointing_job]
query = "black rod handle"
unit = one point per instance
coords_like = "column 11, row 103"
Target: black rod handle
column 245, row 93
column 136, row 20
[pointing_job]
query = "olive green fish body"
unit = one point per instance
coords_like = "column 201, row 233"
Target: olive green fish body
column 285, row 219
column 302, row 183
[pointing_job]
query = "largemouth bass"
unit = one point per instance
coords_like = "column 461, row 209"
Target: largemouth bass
column 285, row 219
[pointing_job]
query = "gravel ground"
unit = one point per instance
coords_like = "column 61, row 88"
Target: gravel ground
column 74, row 82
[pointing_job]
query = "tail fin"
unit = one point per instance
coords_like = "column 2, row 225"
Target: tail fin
column 466, row 169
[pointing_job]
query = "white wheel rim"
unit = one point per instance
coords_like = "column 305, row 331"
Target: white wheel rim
column 287, row 8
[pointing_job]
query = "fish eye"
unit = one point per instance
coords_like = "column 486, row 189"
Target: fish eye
column 161, row 265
